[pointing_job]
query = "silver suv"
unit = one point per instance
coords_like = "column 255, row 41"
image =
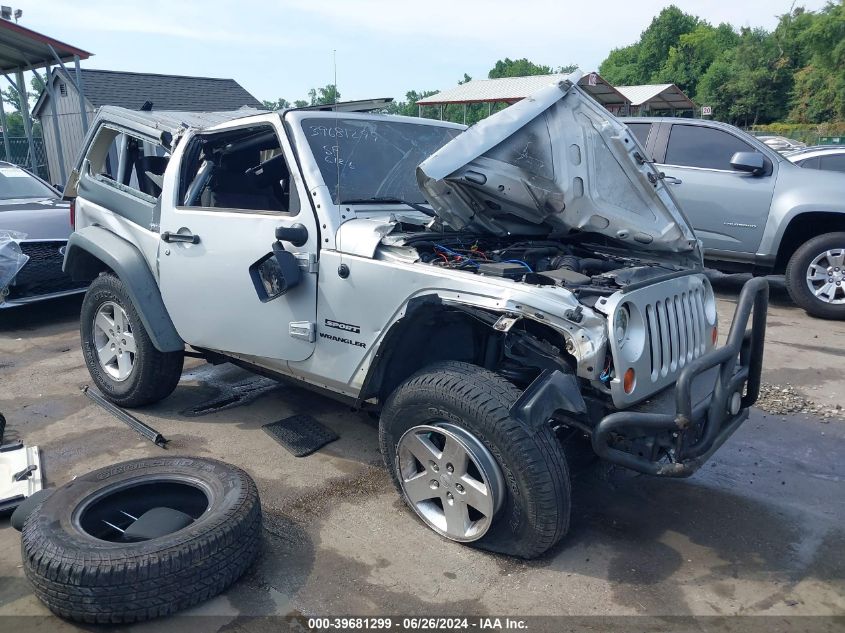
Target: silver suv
column 753, row 209
column 499, row 295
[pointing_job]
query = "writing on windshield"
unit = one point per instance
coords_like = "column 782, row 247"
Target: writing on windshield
column 362, row 159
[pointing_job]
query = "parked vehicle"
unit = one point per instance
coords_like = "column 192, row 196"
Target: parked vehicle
column 830, row 157
column 754, row 210
column 34, row 209
column 781, row 143
column 497, row 295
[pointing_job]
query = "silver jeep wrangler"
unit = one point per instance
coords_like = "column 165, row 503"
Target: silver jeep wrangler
column 500, row 295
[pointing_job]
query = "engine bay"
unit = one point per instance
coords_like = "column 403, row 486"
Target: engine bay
column 584, row 266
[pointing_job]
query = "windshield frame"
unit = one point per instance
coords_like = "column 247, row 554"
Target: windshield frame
column 49, row 191
column 310, row 167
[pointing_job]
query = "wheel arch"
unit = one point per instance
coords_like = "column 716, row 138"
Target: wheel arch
column 434, row 330
column 93, row 250
column 803, row 227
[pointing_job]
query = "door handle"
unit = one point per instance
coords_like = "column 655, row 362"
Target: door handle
column 672, row 180
column 188, row 238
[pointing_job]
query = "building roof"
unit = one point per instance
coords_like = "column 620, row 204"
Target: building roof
column 25, row 49
column 512, row 89
column 165, row 92
column 657, row 96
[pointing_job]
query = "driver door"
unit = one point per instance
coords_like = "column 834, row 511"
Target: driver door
column 219, row 217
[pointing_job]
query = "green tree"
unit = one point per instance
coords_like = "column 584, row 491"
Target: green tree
column 621, row 66
column 663, row 33
column 508, row 67
column 643, row 61
column 409, row 107
column 278, row 104
column 326, row 95
column 818, row 93
column 690, row 58
column 747, row 85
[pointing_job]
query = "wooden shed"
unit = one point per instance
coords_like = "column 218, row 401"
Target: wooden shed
column 129, row 90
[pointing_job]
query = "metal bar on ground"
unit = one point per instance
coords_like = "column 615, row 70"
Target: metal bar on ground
column 130, row 420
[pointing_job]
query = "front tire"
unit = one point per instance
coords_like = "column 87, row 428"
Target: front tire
column 459, row 413
column 815, row 276
column 122, row 360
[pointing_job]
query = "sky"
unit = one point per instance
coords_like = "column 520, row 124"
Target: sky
column 282, row 48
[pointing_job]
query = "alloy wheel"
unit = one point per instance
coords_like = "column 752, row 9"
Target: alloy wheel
column 450, row 479
column 114, row 341
column 826, row 276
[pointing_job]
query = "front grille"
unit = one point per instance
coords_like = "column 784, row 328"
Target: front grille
column 670, row 325
column 42, row 274
column 676, row 331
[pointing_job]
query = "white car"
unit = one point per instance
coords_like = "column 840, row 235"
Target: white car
column 781, row 143
column 828, row 157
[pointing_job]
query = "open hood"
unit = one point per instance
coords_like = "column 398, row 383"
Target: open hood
column 554, row 162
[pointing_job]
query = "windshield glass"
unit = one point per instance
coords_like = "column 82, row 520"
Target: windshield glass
column 363, row 159
column 16, row 183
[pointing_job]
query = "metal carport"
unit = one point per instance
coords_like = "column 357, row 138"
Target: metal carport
column 22, row 49
column 649, row 98
column 512, row 89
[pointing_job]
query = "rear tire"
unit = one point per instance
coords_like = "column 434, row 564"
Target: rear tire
column 822, row 257
column 534, row 507
column 141, row 374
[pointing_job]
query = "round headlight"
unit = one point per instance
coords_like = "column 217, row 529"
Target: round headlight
column 620, row 325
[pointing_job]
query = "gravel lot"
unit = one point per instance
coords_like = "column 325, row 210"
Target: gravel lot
column 759, row 530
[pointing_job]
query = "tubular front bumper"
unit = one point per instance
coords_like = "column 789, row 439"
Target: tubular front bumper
column 698, row 429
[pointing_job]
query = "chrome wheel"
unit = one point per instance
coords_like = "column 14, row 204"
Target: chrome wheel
column 450, row 479
column 826, row 276
column 114, row 341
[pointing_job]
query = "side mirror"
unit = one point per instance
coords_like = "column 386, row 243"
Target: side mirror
column 275, row 273
column 751, row 162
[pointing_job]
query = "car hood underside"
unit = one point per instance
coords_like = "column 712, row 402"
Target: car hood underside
column 552, row 163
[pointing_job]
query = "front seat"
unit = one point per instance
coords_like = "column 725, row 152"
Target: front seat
column 231, row 187
column 150, row 172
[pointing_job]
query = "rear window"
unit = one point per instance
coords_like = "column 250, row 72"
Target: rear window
column 808, row 163
column 17, row 183
column 698, row 146
column 834, row 162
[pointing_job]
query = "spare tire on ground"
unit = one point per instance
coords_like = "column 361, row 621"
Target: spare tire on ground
column 86, row 562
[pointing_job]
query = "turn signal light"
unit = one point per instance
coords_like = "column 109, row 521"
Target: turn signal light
column 629, row 380
column 715, row 334
column 73, row 214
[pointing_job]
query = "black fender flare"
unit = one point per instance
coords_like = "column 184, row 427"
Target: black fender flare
column 93, row 249
column 552, row 391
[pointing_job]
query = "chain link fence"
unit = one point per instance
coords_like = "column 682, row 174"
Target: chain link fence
column 19, row 150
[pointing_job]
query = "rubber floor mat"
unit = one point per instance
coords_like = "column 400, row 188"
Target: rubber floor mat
column 301, row 435
column 231, row 396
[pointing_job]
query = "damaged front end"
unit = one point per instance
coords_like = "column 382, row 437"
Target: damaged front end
column 673, row 433
column 554, row 163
